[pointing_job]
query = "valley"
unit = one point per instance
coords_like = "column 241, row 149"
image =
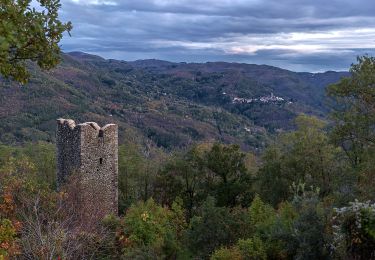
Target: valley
column 172, row 104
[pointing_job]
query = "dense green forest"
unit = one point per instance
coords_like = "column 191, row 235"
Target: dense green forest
column 307, row 195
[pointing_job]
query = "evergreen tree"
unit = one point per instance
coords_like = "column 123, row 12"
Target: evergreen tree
column 354, row 120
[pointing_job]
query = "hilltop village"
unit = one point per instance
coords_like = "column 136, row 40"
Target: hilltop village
column 264, row 99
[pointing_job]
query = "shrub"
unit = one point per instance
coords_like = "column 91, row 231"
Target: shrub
column 252, row 248
column 152, row 227
column 354, row 230
column 225, row 253
column 8, row 243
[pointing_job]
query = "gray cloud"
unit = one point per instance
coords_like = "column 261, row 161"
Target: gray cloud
column 294, row 34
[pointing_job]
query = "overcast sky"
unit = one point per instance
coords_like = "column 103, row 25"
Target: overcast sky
column 299, row 35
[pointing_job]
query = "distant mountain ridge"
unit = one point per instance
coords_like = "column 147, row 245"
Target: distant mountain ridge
column 173, row 104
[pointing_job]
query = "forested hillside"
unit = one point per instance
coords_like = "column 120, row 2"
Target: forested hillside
column 202, row 161
column 172, row 104
column 217, row 161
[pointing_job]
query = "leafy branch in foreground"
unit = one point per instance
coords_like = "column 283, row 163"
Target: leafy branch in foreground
column 29, row 34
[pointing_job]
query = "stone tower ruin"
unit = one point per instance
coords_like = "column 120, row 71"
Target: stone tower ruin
column 89, row 152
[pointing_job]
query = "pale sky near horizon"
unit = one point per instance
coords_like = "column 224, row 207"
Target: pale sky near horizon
column 299, row 35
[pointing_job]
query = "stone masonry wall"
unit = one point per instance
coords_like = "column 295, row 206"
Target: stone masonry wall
column 68, row 149
column 92, row 153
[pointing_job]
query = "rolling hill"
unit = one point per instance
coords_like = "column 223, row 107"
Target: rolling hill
column 173, row 104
